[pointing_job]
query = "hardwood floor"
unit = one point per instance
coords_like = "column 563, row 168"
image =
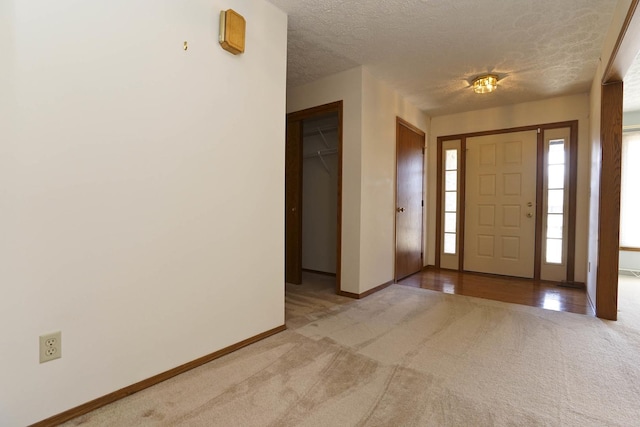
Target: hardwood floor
column 500, row 288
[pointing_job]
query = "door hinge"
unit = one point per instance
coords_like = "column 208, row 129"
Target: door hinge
column 422, row 203
column 538, row 130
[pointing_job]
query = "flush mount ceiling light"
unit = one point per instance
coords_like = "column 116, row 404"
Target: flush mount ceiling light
column 485, row 83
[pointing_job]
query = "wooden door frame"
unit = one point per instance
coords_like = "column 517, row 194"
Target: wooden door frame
column 572, row 198
column 423, row 135
column 609, row 209
column 293, row 203
column 321, row 110
column 608, row 247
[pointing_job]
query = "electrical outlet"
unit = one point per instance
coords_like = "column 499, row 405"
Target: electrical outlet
column 50, row 346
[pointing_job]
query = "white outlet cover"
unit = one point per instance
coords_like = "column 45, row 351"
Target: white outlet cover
column 50, row 346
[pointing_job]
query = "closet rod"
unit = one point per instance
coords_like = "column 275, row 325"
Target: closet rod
column 317, row 130
column 319, row 153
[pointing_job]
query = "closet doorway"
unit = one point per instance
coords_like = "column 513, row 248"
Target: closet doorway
column 312, row 192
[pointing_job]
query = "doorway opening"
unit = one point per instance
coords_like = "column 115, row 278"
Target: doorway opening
column 506, row 202
column 319, row 193
column 629, row 255
column 313, row 193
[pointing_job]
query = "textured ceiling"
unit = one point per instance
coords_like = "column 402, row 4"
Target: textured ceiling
column 429, row 50
column 631, row 100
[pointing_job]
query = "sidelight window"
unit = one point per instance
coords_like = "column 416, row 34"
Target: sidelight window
column 450, row 201
column 555, row 212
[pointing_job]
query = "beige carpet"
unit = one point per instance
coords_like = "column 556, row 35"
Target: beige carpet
column 407, row 357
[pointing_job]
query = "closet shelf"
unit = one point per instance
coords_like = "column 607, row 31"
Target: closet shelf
column 320, row 153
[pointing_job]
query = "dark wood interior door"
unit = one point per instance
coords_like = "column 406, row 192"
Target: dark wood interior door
column 409, row 198
column 293, row 203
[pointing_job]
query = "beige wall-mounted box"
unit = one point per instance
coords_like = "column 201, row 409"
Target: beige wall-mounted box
column 232, row 28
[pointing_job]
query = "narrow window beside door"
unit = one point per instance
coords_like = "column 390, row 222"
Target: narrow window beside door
column 556, row 181
column 450, row 201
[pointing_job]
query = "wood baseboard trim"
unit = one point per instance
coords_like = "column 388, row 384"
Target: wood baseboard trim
column 376, row 289
column 366, row 293
column 324, row 273
column 573, row 284
column 156, row 379
column 348, row 294
column 591, row 304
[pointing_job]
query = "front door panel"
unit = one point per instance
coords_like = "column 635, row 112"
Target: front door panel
column 500, row 204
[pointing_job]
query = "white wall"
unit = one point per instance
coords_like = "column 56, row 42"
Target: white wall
column 595, row 102
column 629, row 260
column 380, row 107
column 368, row 175
column 574, row 107
column 595, row 165
column 134, row 179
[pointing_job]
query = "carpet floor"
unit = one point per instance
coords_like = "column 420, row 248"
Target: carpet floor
column 407, row 357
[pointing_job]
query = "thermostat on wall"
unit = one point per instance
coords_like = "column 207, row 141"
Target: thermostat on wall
column 232, row 28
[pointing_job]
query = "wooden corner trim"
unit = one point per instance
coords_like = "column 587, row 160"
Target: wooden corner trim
column 366, row 293
column 401, row 121
column 156, row 379
column 376, row 289
column 322, row 273
column 624, row 50
column 348, row 294
column 332, row 107
column 590, row 302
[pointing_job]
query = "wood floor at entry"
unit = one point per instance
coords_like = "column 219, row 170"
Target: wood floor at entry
column 506, row 289
column 514, row 290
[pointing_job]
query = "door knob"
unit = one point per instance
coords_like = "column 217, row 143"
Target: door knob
column 399, row 209
column 529, row 215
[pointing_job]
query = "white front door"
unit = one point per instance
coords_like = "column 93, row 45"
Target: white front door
column 500, row 204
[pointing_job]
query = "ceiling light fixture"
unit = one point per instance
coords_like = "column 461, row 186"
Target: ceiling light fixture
column 485, row 83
